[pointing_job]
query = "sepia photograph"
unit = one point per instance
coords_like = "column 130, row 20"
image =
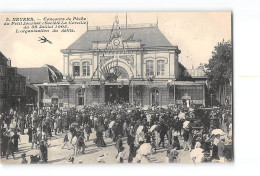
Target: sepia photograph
column 116, row 88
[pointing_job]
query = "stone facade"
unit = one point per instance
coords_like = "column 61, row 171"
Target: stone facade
column 149, row 67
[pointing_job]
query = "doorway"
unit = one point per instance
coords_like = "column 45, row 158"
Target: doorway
column 119, row 94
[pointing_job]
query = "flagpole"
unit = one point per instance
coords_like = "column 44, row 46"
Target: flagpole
column 126, row 21
column 132, row 92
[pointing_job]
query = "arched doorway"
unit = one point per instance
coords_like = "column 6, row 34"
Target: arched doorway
column 118, row 93
column 154, row 97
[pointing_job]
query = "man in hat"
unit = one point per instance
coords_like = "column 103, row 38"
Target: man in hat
column 66, row 140
column 120, row 155
column 186, row 136
column 10, row 148
column 4, row 140
column 119, row 143
column 16, row 137
column 43, row 151
column 221, row 147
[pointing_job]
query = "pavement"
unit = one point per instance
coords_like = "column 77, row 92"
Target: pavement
column 56, row 155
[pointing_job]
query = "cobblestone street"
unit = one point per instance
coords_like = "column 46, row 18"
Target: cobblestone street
column 56, row 155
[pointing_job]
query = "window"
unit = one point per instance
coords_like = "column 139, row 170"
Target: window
column 2, row 70
column 22, row 88
column 81, row 97
column 2, row 102
column 15, row 72
column 95, row 91
column 171, row 92
column 76, row 68
column 2, row 86
column 17, row 88
column 149, row 68
column 160, row 67
column 86, row 69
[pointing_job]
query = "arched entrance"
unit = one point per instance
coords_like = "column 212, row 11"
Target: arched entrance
column 154, row 97
column 118, row 90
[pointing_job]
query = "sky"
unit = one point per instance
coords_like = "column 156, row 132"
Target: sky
column 195, row 33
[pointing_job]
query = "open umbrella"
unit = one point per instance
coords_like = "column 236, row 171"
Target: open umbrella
column 139, row 129
column 111, row 124
column 217, row 131
column 186, row 124
column 153, row 127
column 145, row 149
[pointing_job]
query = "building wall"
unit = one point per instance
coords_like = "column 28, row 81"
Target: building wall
column 12, row 88
column 137, row 66
column 3, row 91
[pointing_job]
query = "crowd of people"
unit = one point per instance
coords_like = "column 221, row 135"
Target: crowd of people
column 205, row 133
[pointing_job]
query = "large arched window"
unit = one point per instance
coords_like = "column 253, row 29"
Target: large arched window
column 81, row 97
column 76, row 68
column 154, row 97
column 149, row 68
column 86, row 68
column 160, row 67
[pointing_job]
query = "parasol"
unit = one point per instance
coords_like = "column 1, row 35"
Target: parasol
column 153, row 127
column 218, row 131
column 197, row 153
column 181, row 115
column 111, row 124
column 145, row 149
column 139, row 129
column 145, row 108
column 186, row 124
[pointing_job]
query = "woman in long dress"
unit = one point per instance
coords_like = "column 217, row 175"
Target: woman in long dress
column 99, row 133
column 43, row 151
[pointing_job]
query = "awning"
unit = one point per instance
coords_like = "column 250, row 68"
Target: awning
column 187, row 83
column 32, row 87
column 185, row 97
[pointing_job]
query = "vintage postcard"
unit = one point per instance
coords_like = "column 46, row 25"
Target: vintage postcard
column 134, row 87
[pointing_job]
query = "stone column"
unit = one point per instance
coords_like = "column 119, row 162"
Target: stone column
column 68, row 64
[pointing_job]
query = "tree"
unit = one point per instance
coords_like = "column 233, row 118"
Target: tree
column 220, row 68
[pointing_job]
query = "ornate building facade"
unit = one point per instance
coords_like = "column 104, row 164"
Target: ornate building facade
column 133, row 63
